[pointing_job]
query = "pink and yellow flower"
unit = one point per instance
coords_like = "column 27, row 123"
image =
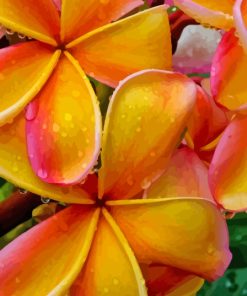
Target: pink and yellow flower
column 228, row 83
column 50, row 73
column 213, row 13
column 95, row 246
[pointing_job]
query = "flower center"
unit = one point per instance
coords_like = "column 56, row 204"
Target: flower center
column 100, row 202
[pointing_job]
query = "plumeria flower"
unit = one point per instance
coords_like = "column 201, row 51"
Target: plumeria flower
column 98, row 244
column 195, row 49
column 50, row 73
column 206, row 125
column 228, row 167
column 213, row 13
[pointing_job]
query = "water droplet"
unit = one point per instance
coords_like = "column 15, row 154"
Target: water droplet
column 146, row 183
column 15, row 169
column 210, row 250
column 67, row 116
column 84, row 129
column 45, row 200
column 42, row 173
column 106, row 290
column 10, row 32
column 55, row 127
column 123, row 116
column 44, row 126
column 17, row 280
column 138, row 129
column 115, row 282
column 229, row 215
column 80, row 153
column 32, row 110
column 84, row 165
column 64, row 135
column 23, row 191
column 152, row 153
column 21, row 36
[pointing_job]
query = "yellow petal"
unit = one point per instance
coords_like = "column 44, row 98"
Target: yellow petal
column 147, row 114
column 111, row 267
column 15, row 167
column 79, row 17
column 64, row 126
column 186, row 175
column 37, row 19
column 24, row 69
column 112, row 52
column 209, row 12
column 186, row 233
column 47, row 259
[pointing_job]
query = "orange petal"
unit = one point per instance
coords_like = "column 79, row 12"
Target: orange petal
column 46, row 259
column 209, row 12
column 79, row 17
column 240, row 20
column 111, row 267
column 164, row 280
column 15, row 167
column 186, row 175
column 146, row 117
column 163, row 231
column 207, row 120
column 31, row 60
column 228, row 73
column 37, row 19
column 64, row 126
column 112, row 52
column 228, row 168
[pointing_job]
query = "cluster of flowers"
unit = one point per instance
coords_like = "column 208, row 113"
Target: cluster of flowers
column 171, row 154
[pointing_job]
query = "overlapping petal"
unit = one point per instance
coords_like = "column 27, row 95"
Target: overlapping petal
column 161, row 231
column 112, row 52
column 79, row 17
column 209, row 12
column 186, row 175
column 37, row 19
column 207, row 120
column 64, row 126
column 170, row 281
column 111, row 267
column 47, row 259
column 15, row 167
column 24, row 69
column 228, row 168
column 147, row 114
column 240, row 20
column 228, row 73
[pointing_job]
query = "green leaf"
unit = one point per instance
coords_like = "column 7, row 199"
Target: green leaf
column 6, row 190
column 238, row 240
column 233, row 283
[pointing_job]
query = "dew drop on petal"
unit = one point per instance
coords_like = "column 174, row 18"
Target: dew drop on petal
column 45, row 200
column 146, row 183
column 23, row 191
column 31, row 110
column 42, row 173
column 10, row 32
